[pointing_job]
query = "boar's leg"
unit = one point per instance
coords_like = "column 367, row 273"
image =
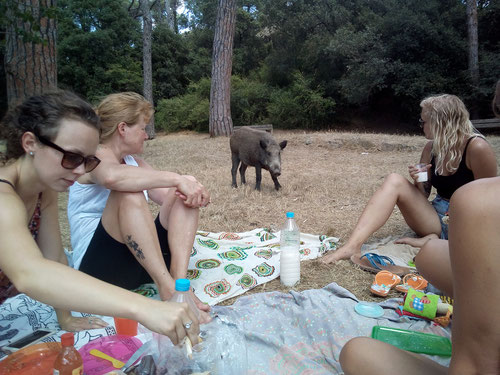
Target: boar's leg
column 277, row 185
column 236, row 161
column 243, row 169
column 258, row 176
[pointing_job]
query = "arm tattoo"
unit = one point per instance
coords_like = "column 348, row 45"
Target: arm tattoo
column 131, row 244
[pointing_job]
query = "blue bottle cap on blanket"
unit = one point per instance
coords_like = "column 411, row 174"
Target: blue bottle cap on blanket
column 182, row 285
column 290, row 215
column 369, row 309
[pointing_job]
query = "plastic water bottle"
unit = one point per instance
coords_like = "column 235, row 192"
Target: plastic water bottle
column 290, row 255
column 182, row 295
column 68, row 361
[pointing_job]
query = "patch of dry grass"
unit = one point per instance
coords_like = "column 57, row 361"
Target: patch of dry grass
column 327, row 178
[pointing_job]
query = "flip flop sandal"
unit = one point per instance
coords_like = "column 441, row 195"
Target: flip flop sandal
column 374, row 263
column 384, row 281
column 414, row 281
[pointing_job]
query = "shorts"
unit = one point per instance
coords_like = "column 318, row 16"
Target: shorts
column 442, row 206
column 111, row 261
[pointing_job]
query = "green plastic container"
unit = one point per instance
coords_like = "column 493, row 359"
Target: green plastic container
column 413, row 341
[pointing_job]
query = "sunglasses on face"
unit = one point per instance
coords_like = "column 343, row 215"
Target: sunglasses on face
column 72, row 160
column 421, row 122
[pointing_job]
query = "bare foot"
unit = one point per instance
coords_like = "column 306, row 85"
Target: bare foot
column 416, row 242
column 345, row 252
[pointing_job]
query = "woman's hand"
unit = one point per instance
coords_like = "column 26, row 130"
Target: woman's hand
column 413, row 171
column 193, row 193
column 75, row 324
column 175, row 320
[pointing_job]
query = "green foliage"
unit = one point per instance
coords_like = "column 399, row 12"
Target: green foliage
column 249, row 101
column 300, row 106
column 187, row 112
column 98, row 47
column 170, row 57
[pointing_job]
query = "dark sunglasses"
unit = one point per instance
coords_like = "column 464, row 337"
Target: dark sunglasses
column 72, row 160
column 421, row 122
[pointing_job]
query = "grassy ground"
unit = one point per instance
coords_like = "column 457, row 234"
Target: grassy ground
column 327, row 178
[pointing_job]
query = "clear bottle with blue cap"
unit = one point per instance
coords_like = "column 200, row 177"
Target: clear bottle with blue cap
column 182, row 295
column 290, row 255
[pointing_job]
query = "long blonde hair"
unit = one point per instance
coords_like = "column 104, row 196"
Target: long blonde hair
column 122, row 107
column 450, row 126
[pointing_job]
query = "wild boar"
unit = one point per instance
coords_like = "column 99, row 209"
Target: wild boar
column 258, row 149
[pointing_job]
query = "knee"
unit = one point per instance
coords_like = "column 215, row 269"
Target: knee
column 352, row 355
column 426, row 252
column 131, row 200
column 394, row 180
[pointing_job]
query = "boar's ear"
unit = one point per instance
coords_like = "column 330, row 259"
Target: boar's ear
column 283, row 144
column 263, row 144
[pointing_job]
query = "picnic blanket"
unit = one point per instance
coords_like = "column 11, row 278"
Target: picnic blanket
column 222, row 265
column 277, row 333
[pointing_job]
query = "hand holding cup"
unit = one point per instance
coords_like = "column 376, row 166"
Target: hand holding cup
column 422, row 172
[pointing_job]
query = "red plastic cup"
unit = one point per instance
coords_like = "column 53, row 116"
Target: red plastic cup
column 127, row 327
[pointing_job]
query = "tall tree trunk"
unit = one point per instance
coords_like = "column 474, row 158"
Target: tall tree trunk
column 173, row 5
column 147, row 34
column 473, row 42
column 30, row 64
column 220, row 122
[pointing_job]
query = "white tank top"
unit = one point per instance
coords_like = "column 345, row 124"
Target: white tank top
column 86, row 203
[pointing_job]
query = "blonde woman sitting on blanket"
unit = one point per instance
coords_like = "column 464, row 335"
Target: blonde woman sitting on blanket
column 455, row 155
column 51, row 141
column 433, row 259
column 114, row 237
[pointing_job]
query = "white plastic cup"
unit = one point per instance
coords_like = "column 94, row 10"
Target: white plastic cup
column 422, row 174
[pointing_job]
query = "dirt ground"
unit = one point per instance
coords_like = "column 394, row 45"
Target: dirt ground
column 327, row 178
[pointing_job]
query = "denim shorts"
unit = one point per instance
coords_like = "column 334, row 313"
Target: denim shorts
column 441, row 206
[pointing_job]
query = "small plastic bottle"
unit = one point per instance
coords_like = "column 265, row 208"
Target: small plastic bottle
column 290, row 255
column 181, row 294
column 69, row 361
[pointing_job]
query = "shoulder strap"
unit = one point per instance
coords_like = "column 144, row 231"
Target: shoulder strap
column 8, row 182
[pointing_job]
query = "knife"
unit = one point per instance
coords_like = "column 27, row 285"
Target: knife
column 136, row 356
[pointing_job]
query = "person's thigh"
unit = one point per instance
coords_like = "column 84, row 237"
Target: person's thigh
column 433, row 263
column 417, row 210
column 474, row 252
column 363, row 355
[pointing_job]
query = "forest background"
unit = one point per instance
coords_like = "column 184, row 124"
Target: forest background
column 308, row 64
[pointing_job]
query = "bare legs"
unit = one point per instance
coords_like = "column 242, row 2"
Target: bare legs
column 433, row 263
column 395, row 191
column 474, row 241
column 127, row 219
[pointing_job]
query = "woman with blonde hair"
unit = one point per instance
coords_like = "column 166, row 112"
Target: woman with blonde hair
column 454, row 156
column 51, row 141
column 113, row 235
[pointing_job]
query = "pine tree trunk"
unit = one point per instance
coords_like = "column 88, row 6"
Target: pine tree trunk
column 147, row 33
column 30, row 66
column 220, row 122
column 473, row 42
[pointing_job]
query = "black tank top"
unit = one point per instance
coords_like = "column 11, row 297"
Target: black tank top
column 447, row 185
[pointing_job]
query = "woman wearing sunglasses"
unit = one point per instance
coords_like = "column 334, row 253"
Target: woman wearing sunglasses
column 455, row 155
column 51, row 141
column 114, row 237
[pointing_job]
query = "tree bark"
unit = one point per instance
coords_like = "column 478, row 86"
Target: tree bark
column 31, row 64
column 220, row 122
column 473, row 42
column 147, row 34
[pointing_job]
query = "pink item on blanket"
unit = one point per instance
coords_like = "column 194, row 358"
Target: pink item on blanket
column 117, row 346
